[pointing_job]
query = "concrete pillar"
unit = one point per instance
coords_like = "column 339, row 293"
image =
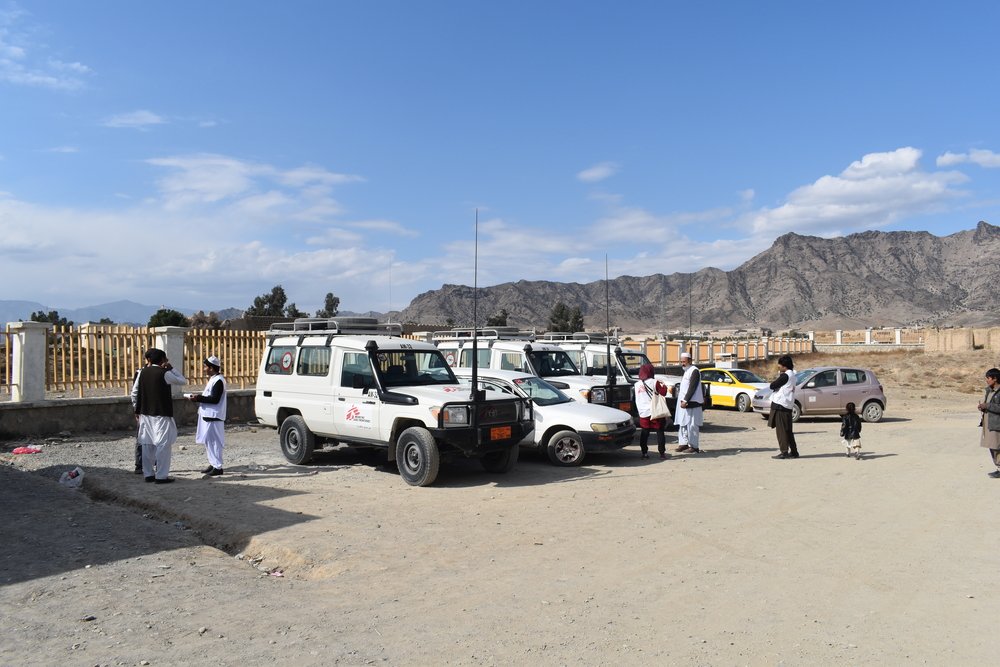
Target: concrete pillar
column 839, row 337
column 868, row 336
column 811, row 335
column 171, row 341
column 899, row 336
column 27, row 372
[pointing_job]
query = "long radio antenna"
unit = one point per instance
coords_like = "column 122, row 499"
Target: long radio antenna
column 475, row 323
column 607, row 314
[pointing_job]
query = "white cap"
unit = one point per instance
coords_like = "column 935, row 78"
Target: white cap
column 214, row 360
column 685, row 355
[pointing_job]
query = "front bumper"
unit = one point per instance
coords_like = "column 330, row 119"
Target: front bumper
column 485, row 439
column 609, row 441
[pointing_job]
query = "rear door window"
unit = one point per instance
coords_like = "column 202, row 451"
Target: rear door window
column 853, row 376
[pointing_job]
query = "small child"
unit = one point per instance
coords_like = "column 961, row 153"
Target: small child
column 850, row 432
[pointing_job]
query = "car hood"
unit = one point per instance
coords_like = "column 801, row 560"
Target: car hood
column 438, row 394
column 579, row 415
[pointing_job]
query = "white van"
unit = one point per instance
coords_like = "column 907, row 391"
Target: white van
column 352, row 381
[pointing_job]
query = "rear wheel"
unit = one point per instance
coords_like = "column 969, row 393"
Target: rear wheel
column 417, row 457
column 502, row 461
column 297, row 441
column 872, row 412
column 565, row 448
column 743, row 403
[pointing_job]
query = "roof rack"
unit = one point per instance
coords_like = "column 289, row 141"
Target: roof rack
column 338, row 326
column 579, row 337
column 494, row 333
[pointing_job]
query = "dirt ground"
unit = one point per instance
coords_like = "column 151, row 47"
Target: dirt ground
column 724, row 558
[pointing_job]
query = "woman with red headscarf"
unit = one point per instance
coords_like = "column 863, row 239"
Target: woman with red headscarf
column 644, row 388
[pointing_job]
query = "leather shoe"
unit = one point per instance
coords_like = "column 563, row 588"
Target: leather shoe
column 149, row 479
column 645, row 455
column 138, row 471
column 682, row 448
column 165, row 480
column 663, row 455
column 995, row 474
column 781, row 456
column 793, row 455
column 207, row 470
column 214, row 472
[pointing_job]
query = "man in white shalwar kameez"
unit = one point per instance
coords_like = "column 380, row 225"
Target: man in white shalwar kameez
column 154, row 412
column 688, row 415
column 212, row 416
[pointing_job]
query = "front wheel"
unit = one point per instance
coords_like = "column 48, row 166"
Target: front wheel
column 796, row 412
column 417, row 457
column 565, row 448
column 743, row 403
column 297, row 441
column 872, row 412
column 500, row 462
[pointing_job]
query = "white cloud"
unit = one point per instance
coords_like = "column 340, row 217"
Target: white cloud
column 63, row 149
column 139, row 120
column 19, row 64
column 872, row 192
column 746, row 196
column 598, row 172
column 984, row 158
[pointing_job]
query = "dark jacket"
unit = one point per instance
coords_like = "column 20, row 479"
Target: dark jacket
column 850, row 427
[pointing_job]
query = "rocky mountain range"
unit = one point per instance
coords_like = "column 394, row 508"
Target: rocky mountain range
column 801, row 282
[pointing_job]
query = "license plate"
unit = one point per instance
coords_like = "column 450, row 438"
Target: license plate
column 499, row 432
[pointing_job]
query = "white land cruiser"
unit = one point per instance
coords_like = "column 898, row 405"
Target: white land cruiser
column 565, row 430
column 351, row 381
column 545, row 360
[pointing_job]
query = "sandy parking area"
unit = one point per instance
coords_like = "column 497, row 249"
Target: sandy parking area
column 725, row 558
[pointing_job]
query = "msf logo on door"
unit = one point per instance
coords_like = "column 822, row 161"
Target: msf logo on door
column 357, row 416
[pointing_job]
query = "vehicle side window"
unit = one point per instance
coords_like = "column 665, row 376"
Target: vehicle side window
column 280, row 360
column 500, row 389
column 853, row 376
column 510, row 361
column 314, row 361
column 825, row 379
column 356, row 364
column 711, row 376
column 483, row 354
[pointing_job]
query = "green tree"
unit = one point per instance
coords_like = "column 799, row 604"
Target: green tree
column 293, row 311
column 564, row 318
column 167, row 317
column 498, row 320
column 331, row 305
column 268, row 305
column 106, row 320
column 52, row 317
column 202, row 321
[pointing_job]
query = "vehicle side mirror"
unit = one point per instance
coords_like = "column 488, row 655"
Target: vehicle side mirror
column 810, row 384
column 360, row 382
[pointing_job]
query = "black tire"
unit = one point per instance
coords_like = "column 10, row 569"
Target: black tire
column 502, row 461
column 297, row 441
column 743, row 403
column 796, row 412
column 417, row 457
column 872, row 412
column 565, row 448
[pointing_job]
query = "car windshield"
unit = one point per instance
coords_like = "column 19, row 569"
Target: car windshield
column 540, row 391
column 552, row 363
column 747, row 376
column 803, row 375
column 406, row 368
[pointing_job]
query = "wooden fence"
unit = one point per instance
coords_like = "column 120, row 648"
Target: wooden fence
column 240, row 352
column 668, row 353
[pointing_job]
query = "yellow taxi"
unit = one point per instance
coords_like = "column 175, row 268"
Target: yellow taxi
column 733, row 387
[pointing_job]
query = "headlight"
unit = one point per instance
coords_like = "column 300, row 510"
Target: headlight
column 603, row 428
column 453, row 415
column 598, row 395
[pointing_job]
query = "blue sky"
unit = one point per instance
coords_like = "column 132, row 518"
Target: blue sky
column 194, row 154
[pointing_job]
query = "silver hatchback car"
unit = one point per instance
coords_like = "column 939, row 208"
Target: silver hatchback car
column 828, row 390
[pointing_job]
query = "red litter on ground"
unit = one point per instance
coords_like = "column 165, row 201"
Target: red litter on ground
column 26, row 450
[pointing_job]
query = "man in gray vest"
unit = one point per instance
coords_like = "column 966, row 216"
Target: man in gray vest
column 154, row 413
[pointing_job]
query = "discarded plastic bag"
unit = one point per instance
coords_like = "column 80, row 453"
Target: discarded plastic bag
column 25, row 450
column 72, row 479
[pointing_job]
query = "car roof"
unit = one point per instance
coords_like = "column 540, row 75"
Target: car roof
column 388, row 343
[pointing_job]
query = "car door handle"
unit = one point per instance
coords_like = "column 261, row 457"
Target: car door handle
column 267, row 394
column 341, row 398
